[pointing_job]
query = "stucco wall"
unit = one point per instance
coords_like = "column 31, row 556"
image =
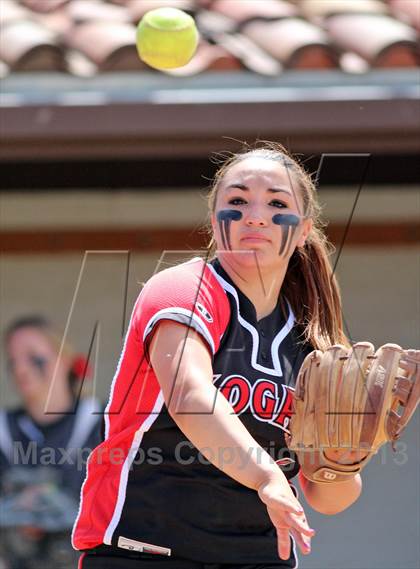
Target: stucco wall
column 380, row 288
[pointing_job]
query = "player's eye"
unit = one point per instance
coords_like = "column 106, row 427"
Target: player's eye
column 278, row 203
column 237, row 201
column 38, row 362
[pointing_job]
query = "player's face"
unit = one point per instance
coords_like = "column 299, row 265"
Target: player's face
column 258, row 216
column 31, row 361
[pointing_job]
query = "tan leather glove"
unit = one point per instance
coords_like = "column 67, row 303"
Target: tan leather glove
column 351, row 398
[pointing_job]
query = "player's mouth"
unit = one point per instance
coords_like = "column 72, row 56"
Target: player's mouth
column 254, row 238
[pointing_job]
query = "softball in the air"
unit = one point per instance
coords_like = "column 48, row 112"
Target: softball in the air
column 166, row 38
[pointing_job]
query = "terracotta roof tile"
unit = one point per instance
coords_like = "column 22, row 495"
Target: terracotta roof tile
column 11, row 11
column 402, row 54
column 221, row 30
column 86, row 37
column 353, row 63
column 248, row 9
column 209, row 58
column 303, row 45
column 210, row 22
column 407, row 11
column 90, row 10
column 324, row 8
column 386, row 41
column 25, row 45
column 249, row 54
column 137, row 8
column 108, row 45
column 43, row 5
column 58, row 21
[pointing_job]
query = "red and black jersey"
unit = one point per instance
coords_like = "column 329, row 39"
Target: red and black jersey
column 146, row 481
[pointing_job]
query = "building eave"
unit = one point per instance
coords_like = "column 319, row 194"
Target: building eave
column 132, row 115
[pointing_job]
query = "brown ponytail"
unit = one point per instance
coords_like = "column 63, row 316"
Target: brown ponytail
column 314, row 294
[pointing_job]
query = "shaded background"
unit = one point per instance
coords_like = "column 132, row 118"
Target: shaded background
column 101, row 154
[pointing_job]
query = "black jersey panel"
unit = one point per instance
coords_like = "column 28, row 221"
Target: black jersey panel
column 181, row 501
column 174, row 496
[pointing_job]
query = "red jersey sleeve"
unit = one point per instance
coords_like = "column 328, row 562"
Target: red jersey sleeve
column 189, row 294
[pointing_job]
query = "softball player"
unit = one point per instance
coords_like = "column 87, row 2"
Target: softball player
column 194, row 470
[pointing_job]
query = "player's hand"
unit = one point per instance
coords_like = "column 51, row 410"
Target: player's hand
column 287, row 516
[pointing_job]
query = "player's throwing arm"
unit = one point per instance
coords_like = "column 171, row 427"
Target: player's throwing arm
column 209, row 423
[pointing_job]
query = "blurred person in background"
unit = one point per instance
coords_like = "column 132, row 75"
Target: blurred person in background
column 44, row 445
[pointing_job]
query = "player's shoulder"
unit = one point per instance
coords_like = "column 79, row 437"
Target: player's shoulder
column 190, row 286
column 187, row 275
column 188, row 293
column 13, row 414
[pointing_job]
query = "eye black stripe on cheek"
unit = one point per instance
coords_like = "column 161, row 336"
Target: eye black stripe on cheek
column 289, row 224
column 225, row 218
column 285, row 232
column 291, row 233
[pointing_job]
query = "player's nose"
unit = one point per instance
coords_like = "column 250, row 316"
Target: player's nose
column 255, row 218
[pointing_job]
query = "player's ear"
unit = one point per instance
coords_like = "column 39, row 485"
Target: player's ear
column 213, row 222
column 307, row 228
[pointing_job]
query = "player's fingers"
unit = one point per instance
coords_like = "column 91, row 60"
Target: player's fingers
column 300, row 524
column 283, row 542
column 289, row 504
column 304, row 543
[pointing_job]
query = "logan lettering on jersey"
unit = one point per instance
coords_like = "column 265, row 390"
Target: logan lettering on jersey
column 265, row 400
column 282, row 419
column 237, row 390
